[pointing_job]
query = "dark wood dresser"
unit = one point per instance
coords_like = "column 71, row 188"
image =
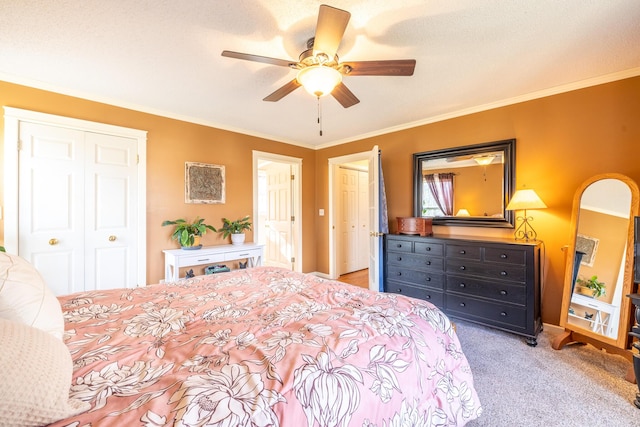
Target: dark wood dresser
column 490, row 281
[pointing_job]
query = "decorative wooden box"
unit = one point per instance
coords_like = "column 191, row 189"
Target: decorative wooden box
column 414, row 225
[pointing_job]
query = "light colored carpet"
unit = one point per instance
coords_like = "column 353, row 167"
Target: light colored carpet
column 527, row 386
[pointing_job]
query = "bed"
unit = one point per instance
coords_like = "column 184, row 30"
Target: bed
column 263, row 347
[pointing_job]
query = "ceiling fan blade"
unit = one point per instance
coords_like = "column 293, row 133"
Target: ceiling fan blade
column 344, row 96
column 330, row 28
column 258, row 58
column 283, row 91
column 398, row 67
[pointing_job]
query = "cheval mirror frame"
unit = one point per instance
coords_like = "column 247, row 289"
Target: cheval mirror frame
column 575, row 333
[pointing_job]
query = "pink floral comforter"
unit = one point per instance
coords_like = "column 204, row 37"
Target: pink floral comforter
column 264, row 347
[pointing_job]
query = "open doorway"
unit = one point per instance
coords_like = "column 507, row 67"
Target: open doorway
column 277, row 213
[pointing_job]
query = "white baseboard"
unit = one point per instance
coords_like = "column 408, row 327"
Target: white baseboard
column 323, row 275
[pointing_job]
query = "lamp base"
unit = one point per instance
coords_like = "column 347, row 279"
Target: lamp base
column 525, row 231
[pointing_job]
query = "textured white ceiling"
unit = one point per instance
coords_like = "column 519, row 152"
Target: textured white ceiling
column 163, row 57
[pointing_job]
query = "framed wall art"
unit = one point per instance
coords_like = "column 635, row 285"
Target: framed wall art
column 204, row 183
column 588, row 245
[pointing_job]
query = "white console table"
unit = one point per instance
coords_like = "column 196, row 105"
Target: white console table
column 601, row 310
column 176, row 258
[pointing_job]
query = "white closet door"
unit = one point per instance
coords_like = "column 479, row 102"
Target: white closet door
column 51, row 204
column 363, row 221
column 110, row 211
column 348, row 221
column 78, row 208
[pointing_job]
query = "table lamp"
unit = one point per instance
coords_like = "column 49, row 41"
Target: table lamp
column 523, row 200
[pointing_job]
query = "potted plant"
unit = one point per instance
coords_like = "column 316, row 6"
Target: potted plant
column 595, row 288
column 235, row 229
column 188, row 233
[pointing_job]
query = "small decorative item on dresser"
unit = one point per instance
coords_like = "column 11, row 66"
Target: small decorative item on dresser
column 415, row 225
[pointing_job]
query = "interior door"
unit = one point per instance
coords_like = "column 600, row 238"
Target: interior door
column 110, row 214
column 278, row 222
column 362, row 253
column 51, row 204
column 77, row 207
column 348, row 220
column 375, row 239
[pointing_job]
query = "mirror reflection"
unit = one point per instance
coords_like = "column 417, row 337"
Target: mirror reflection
column 599, row 260
column 466, row 185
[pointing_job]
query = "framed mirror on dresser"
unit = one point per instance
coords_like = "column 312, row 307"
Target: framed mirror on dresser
column 599, row 265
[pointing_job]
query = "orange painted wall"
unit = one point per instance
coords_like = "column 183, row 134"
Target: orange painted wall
column 561, row 141
column 170, row 143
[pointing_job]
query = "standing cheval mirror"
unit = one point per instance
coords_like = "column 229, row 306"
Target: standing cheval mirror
column 599, row 265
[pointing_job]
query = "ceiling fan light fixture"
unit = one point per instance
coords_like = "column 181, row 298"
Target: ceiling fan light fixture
column 484, row 160
column 319, row 80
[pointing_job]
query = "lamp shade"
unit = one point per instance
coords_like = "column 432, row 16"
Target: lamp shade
column 463, row 212
column 525, row 199
column 319, row 80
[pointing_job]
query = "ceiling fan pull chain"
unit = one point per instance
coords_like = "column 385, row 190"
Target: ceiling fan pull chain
column 319, row 115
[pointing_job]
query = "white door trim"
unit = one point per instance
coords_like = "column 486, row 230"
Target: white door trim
column 334, row 163
column 12, row 118
column 296, row 167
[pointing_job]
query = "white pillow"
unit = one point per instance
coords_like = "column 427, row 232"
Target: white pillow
column 36, row 371
column 25, row 298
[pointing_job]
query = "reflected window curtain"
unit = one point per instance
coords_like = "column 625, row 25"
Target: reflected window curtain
column 441, row 186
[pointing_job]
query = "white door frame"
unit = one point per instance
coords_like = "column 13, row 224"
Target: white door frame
column 12, row 119
column 296, row 200
column 334, row 163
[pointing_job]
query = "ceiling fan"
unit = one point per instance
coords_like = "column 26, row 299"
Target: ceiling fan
column 319, row 70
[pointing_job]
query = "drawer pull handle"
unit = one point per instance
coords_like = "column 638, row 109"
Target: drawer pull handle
column 399, row 290
column 399, row 273
column 463, row 304
column 428, row 279
column 503, row 256
column 427, row 297
column 503, row 292
column 428, row 248
column 503, row 314
column 399, row 258
column 427, row 263
column 462, row 251
column 203, row 260
column 503, row 273
column 462, row 285
column 399, row 245
column 462, row 267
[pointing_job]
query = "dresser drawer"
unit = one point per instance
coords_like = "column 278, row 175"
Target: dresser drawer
column 510, row 272
column 464, row 252
column 420, row 262
column 431, row 249
column 495, row 290
column 495, row 313
column 416, row 278
column 511, row 256
column 433, row 296
column 399, row 245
